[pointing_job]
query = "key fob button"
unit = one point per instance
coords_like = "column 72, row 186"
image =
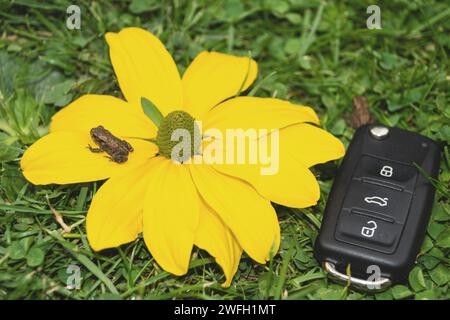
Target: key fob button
column 386, row 172
column 367, row 231
column 378, row 201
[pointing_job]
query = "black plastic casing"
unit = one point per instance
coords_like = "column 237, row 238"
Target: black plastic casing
column 400, row 146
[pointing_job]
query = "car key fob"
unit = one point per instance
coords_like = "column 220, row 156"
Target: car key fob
column 378, row 208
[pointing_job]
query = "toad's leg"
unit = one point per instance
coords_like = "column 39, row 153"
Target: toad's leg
column 95, row 150
column 117, row 158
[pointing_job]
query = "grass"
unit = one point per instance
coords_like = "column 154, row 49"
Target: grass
column 318, row 53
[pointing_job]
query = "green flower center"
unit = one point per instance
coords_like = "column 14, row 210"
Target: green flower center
column 169, row 136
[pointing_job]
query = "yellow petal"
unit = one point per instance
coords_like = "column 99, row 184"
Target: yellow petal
column 257, row 113
column 250, row 217
column 114, row 114
column 63, row 157
column 286, row 179
column 144, row 68
column 213, row 77
column 115, row 214
column 215, row 237
column 171, row 214
column 311, row 145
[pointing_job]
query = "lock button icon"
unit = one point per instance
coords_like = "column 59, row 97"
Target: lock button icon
column 386, row 171
column 369, row 230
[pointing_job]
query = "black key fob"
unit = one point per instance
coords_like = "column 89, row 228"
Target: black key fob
column 378, row 208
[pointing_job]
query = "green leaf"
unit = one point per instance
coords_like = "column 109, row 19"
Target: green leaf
column 414, row 95
column 394, row 102
column 302, row 256
column 443, row 240
column 305, row 62
column 152, row 111
column 386, row 295
column 8, row 148
column 440, row 275
column 441, row 212
column 416, row 279
column 355, row 296
column 58, row 94
column 432, row 258
column 435, row 229
column 279, row 7
column 401, row 292
column 22, row 113
column 445, row 133
column 16, row 250
column 35, row 257
column 429, row 262
column 266, row 284
column 426, row 295
column 10, row 70
column 292, row 46
column 427, row 245
column 388, row 60
column 109, row 296
column 338, row 127
column 141, row 6
column 232, row 10
column 310, row 275
column 332, row 294
column 294, row 18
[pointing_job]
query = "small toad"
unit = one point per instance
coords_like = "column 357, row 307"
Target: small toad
column 116, row 148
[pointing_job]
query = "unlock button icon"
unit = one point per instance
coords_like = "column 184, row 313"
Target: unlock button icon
column 369, row 230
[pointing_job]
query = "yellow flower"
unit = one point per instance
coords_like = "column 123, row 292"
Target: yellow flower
column 221, row 208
